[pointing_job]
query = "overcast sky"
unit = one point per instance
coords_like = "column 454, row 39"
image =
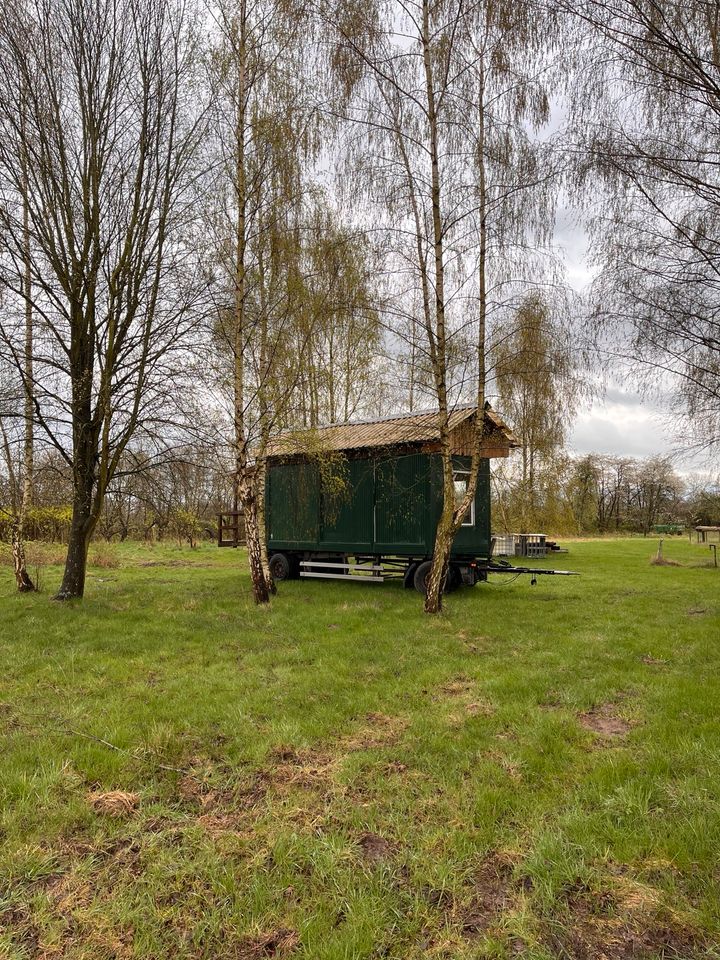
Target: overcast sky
column 621, row 422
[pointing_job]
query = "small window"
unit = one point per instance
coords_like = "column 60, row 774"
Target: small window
column 461, row 479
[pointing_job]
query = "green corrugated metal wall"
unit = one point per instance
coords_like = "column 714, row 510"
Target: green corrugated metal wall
column 347, row 519
column 402, row 487
column 293, row 503
column 389, row 505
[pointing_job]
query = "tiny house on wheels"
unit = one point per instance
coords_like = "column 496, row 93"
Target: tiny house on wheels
column 362, row 500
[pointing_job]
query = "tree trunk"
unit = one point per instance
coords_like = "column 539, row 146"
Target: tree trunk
column 260, row 472
column 260, row 465
column 452, row 514
column 244, row 481
column 73, row 582
column 82, row 526
column 443, row 535
column 261, row 593
column 22, row 578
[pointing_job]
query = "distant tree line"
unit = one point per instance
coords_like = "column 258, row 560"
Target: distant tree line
column 603, row 494
column 176, row 500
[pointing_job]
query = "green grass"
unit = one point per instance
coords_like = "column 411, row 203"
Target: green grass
column 353, row 779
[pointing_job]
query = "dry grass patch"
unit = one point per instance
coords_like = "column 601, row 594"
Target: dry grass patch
column 379, row 730
column 103, row 557
column 305, row 768
column 511, row 768
column 174, row 563
column 627, row 922
column 460, row 693
column 457, row 687
column 651, row 661
column 116, row 803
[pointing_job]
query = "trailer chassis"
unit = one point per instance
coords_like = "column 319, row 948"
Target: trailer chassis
column 412, row 570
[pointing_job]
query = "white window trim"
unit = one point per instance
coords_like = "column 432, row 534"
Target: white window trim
column 471, row 521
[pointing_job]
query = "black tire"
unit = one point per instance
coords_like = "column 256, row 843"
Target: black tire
column 422, row 572
column 409, row 576
column 280, row 567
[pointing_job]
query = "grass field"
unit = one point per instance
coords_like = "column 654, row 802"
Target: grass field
column 534, row 774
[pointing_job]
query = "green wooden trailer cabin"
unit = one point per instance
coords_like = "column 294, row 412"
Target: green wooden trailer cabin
column 362, row 500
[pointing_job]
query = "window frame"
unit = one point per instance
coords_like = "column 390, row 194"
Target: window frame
column 465, row 474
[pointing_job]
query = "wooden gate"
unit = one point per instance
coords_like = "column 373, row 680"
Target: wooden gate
column 231, row 529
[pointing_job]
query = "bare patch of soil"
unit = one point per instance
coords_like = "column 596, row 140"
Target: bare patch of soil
column 228, row 809
column 276, row 943
column 246, row 796
column 374, row 848
column 461, row 692
column 16, row 921
column 395, row 766
column 68, row 893
column 194, row 790
column 220, row 824
column 116, row 803
column 603, row 720
column 481, row 708
column 623, row 924
column 491, row 894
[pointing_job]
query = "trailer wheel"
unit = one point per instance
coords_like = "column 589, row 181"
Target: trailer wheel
column 422, row 573
column 453, row 578
column 280, row 567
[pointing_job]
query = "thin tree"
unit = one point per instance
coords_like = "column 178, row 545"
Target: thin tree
column 538, row 388
column 108, row 130
column 261, row 133
column 446, row 101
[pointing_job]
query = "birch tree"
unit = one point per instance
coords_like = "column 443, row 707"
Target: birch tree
column 20, row 481
column 102, row 154
column 444, row 96
column 262, row 131
column 292, row 286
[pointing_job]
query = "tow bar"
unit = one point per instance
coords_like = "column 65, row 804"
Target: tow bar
column 502, row 567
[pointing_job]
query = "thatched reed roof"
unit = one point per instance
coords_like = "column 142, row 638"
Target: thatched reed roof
column 419, row 430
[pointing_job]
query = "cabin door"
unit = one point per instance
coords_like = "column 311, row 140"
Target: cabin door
column 347, row 508
column 401, row 502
